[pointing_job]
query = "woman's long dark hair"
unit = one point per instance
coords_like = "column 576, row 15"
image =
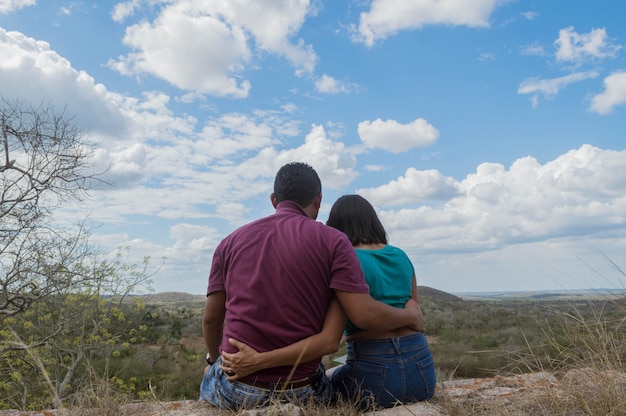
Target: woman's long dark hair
column 355, row 217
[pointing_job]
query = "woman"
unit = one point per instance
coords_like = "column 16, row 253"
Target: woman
column 382, row 368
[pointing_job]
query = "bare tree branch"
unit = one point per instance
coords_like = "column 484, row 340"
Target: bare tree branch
column 46, row 160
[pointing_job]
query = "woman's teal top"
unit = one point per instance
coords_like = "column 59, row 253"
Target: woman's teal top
column 389, row 274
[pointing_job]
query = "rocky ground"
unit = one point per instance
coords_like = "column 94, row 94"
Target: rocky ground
column 495, row 396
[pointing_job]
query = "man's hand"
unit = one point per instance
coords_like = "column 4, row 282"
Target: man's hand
column 418, row 324
column 242, row 363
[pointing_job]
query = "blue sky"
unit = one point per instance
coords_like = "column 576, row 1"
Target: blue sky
column 490, row 135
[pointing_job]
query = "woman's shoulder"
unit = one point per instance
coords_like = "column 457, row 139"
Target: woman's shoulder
column 394, row 249
column 396, row 253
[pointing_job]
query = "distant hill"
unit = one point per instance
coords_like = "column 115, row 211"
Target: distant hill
column 172, row 297
column 425, row 291
column 547, row 295
column 182, row 297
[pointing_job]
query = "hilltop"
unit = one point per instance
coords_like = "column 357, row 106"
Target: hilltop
column 491, row 351
column 173, row 298
column 188, row 298
column 538, row 394
column 436, row 294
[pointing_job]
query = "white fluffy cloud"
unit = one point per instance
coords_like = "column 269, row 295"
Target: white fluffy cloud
column 332, row 160
column 233, row 133
column 177, row 165
column 31, row 70
column 388, row 17
column 576, row 48
column 329, row 85
column 194, row 237
column 191, row 52
column 414, row 187
column 395, row 137
column 204, row 46
column 574, row 194
column 124, row 9
column 122, row 167
column 614, row 94
column 192, row 178
column 8, row 6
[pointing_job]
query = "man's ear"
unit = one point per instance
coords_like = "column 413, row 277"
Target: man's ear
column 318, row 201
column 314, row 207
column 273, row 200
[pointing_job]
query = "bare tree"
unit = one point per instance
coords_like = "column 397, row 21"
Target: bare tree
column 44, row 161
column 62, row 300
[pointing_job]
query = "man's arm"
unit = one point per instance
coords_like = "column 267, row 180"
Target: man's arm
column 247, row 360
column 213, row 322
column 372, row 315
column 415, row 298
column 414, row 290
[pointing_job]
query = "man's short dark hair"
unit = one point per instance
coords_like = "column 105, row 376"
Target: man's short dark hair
column 297, row 182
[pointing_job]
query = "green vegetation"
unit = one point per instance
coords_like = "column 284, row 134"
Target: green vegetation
column 170, row 363
column 484, row 338
column 48, row 351
column 158, row 352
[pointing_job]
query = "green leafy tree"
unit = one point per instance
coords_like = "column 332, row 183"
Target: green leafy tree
column 49, row 347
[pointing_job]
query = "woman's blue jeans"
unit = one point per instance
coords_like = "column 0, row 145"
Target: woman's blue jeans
column 386, row 371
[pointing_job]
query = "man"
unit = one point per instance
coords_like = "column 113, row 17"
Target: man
column 271, row 284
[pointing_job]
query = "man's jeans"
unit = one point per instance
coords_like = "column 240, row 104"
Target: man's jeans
column 385, row 371
column 217, row 390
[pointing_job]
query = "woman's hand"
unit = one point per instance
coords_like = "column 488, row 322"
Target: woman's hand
column 241, row 363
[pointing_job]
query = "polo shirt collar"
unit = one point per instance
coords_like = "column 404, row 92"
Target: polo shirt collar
column 289, row 207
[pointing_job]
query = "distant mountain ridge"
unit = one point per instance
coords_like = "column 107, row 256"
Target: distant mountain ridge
column 538, row 295
column 182, row 297
column 172, row 297
column 425, row 291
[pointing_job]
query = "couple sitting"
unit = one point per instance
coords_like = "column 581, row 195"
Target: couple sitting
column 283, row 289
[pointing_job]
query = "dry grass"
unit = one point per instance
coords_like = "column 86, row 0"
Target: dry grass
column 584, row 346
column 98, row 396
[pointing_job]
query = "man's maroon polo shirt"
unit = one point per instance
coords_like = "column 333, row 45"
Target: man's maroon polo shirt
column 279, row 273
